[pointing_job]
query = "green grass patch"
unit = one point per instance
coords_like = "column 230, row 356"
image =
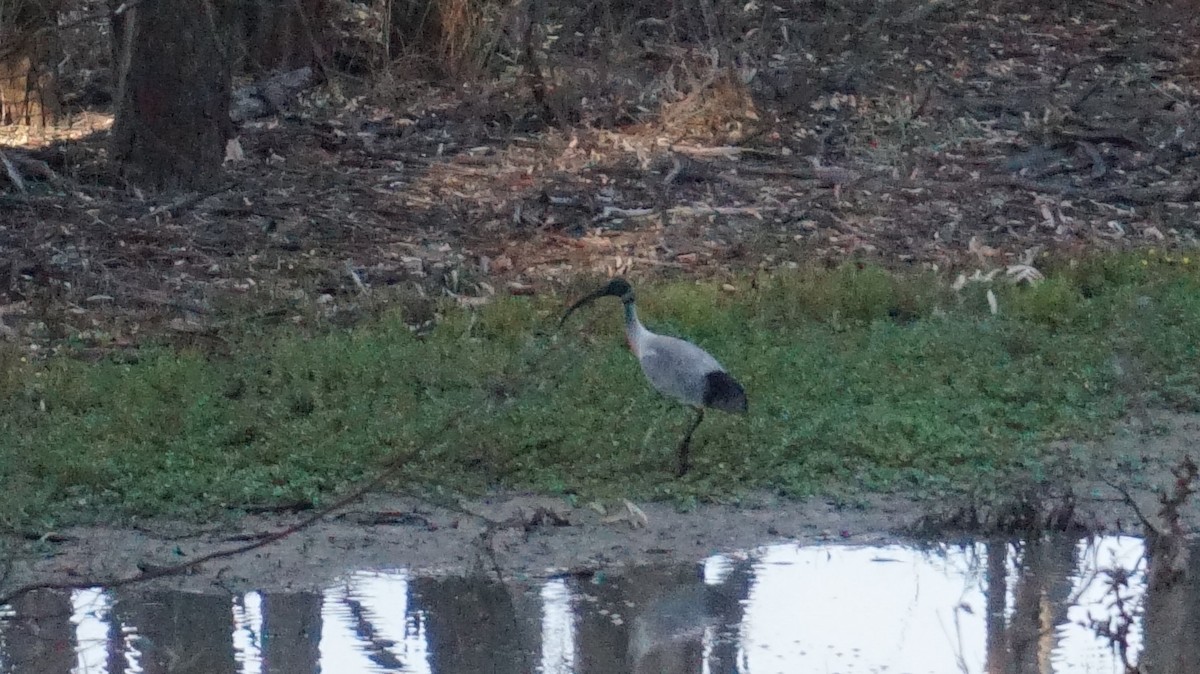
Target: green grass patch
column 858, row 379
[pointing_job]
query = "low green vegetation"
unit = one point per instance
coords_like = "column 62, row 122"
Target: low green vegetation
column 859, row 379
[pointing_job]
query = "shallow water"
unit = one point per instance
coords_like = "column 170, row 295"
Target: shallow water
column 977, row 607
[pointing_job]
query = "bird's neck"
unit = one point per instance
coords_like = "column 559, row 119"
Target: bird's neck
column 635, row 332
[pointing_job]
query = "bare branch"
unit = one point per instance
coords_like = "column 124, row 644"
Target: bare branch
column 152, row 573
column 1127, row 498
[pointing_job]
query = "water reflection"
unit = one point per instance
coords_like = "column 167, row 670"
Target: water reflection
column 38, row 635
column 991, row 608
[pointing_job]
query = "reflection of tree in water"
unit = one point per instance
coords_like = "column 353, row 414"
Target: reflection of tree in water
column 1041, row 596
column 180, row 632
column 375, row 644
column 1172, row 619
column 477, row 625
column 39, row 638
column 116, row 644
column 291, row 633
column 727, row 602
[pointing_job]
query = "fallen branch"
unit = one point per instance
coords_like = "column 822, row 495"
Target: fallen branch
column 1138, row 195
column 19, row 166
column 1113, row 136
column 1148, row 196
column 659, row 263
column 354, row 276
column 731, row 152
column 183, row 202
column 613, row 212
column 390, row 470
column 149, row 572
column 14, row 176
column 833, row 175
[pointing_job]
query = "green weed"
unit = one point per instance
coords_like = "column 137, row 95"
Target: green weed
column 859, row 379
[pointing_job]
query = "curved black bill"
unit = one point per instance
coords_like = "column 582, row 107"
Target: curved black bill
column 587, row 299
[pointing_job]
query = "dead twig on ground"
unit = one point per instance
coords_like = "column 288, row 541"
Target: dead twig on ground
column 14, row 176
column 613, row 212
column 1112, row 136
column 18, row 167
column 183, row 202
column 355, row 277
column 1137, row 195
column 148, row 572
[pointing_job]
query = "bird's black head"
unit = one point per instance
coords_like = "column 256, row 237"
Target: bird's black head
column 617, row 287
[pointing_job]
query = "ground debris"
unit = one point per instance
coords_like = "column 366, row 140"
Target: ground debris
column 1056, row 129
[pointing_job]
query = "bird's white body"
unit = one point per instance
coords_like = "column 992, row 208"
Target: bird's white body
column 675, row 368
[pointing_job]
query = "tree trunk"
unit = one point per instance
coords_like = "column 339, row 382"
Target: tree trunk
column 173, row 92
column 28, row 50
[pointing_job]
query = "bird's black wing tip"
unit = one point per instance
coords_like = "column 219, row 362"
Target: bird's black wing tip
column 723, row 392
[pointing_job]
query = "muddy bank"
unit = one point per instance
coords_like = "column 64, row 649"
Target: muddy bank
column 536, row 536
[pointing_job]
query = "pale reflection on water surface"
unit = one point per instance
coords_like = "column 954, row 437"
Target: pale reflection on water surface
column 984, row 607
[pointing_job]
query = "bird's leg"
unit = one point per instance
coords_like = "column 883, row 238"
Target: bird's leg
column 685, row 446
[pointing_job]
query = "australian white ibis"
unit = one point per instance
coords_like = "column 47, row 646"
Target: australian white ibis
column 675, row 368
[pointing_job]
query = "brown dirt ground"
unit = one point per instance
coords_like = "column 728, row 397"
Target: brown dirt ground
column 968, row 138
column 977, row 135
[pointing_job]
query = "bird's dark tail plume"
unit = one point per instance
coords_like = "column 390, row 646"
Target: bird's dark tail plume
column 723, row 392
